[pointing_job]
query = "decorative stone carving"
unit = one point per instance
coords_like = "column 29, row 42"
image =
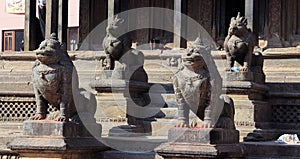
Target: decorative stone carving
column 127, row 64
column 55, row 82
column 192, row 85
column 196, row 90
column 113, row 43
column 239, row 43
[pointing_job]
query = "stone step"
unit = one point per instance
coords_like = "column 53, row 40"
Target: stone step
column 284, row 87
column 161, row 127
column 130, row 155
column 139, row 144
column 15, row 87
column 8, row 132
column 15, row 78
column 271, row 150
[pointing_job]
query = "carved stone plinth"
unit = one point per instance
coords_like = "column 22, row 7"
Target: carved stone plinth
column 245, row 76
column 251, row 109
column 50, row 139
column 185, row 150
column 60, row 129
column 127, row 131
column 201, row 143
column 204, row 136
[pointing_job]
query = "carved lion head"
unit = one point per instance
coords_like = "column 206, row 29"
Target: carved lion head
column 49, row 51
column 194, row 53
column 238, row 25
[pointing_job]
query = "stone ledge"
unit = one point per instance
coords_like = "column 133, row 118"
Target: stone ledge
column 204, row 136
column 42, row 128
column 271, row 53
column 177, row 150
column 271, row 149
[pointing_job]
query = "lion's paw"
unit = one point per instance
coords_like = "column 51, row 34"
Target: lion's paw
column 61, row 118
column 38, row 117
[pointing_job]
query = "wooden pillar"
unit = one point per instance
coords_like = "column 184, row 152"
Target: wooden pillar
column 84, row 23
column 62, row 21
column 180, row 23
column 91, row 13
column 251, row 13
column 51, row 17
column 298, row 17
column 113, row 7
column 30, row 25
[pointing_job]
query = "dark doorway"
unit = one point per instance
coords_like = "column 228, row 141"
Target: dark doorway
column 232, row 9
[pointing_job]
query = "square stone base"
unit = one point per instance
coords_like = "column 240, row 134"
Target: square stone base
column 59, row 140
column 40, row 128
column 204, row 136
column 57, row 148
column 185, row 150
column 245, row 76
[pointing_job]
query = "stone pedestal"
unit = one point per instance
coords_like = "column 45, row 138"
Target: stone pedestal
column 245, row 76
column 204, row 136
column 49, row 139
column 127, row 131
column 129, row 98
column 201, row 143
column 248, row 91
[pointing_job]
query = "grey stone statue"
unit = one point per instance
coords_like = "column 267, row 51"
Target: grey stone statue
column 193, row 92
column 123, row 59
column 239, row 44
column 117, row 47
column 113, row 42
column 55, row 82
column 192, row 87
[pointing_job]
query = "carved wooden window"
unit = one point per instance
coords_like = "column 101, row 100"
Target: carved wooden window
column 8, row 41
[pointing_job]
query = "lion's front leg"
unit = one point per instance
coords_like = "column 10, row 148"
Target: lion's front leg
column 229, row 58
column 63, row 117
column 183, row 109
column 42, row 106
column 230, row 61
column 66, row 95
column 247, row 61
column 110, row 62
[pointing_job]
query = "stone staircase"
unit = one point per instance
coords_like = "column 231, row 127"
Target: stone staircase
column 282, row 76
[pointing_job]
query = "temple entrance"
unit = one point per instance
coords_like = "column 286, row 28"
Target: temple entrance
column 150, row 35
column 225, row 10
column 231, row 10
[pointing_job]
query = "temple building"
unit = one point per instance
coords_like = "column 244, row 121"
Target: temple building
column 275, row 22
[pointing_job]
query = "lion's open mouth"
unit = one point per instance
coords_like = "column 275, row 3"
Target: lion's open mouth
column 43, row 54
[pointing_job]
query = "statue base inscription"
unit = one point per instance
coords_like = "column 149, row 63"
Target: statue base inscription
column 50, row 139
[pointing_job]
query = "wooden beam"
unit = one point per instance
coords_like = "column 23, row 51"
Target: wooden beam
column 180, row 23
column 30, row 25
column 51, row 17
column 62, row 21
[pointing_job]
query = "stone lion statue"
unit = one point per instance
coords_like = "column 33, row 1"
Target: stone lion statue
column 239, row 43
column 192, row 86
column 193, row 92
column 55, row 82
column 125, row 60
column 113, row 42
